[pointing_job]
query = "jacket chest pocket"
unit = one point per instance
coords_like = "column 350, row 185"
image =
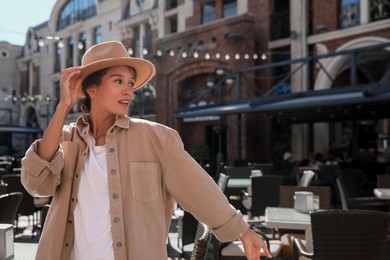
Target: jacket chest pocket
column 145, row 181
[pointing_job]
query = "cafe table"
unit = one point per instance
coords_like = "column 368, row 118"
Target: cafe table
column 23, row 251
column 289, row 218
column 239, row 183
column 382, row 193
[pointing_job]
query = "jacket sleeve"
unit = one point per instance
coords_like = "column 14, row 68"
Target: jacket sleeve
column 40, row 177
column 197, row 193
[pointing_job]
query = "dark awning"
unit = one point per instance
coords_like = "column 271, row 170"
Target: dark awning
column 312, row 106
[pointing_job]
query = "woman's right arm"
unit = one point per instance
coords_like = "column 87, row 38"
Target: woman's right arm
column 69, row 87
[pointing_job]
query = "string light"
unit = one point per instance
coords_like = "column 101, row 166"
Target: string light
column 184, row 54
column 145, row 51
column 196, row 55
column 130, row 51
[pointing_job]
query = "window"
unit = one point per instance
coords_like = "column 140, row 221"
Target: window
column 379, row 10
column 171, row 25
column 229, row 8
column 350, row 13
column 82, row 45
column 75, row 11
column 148, row 39
column 208, row 13
column 98, row 34
column 69, row 59
column 137, row 42
column 171, row 4
column 57, row 57
column 143, row 104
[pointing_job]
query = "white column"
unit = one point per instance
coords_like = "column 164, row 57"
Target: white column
column 76, row 50
column 364, row 11
column 64, row 53
column 141, row 38
column 299, row 80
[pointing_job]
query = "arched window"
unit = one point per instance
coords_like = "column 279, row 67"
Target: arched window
column 75, row 11
column 143, row 104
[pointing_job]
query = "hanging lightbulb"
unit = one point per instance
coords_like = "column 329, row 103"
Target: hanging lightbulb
column 130, row 51
column 80, row 45
column 227, row 57
column 145, row 51
column 196, row 55
column 263, row 56
column 184, row 54
column 171, row 53
column 207, row 56
column 237, row 56
column 159, row 53
column 255, row 56
column 61, row 44
column 246, row 56
column 217, row 55
column 41, row 43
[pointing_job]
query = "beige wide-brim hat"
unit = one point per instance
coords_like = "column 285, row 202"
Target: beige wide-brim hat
column 113, row 53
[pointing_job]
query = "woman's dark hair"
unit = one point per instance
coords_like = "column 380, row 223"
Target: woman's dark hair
column 93, row 79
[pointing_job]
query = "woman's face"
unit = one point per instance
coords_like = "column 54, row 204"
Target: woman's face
column 114, row 94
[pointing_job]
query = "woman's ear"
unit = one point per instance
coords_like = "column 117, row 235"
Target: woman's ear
column 91, row 91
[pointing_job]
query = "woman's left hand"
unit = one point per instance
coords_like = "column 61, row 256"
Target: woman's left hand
column 253, row 243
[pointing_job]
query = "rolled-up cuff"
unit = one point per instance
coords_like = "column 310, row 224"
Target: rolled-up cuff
column 36, row 164
column 231, row 230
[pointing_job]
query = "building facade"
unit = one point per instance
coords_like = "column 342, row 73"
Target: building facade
column 198, row 46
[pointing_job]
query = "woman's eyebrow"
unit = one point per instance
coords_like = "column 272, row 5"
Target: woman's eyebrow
column 121, row 75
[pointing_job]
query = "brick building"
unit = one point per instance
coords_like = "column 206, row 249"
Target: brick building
column 190, row 40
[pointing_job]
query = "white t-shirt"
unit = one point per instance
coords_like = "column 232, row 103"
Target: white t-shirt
column 92, row 220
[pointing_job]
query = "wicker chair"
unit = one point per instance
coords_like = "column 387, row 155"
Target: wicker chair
column 201, row 243
column 9, row 205
column 368, row 203
column 346, row 234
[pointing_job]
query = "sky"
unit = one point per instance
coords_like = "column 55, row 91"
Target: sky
column 16, row 16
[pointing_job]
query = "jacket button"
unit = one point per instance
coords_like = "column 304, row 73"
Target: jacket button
column 118, row 244
column 112, row 150
column 113, row 171
column 115, row 196
column 116, row 220
column 66, row 244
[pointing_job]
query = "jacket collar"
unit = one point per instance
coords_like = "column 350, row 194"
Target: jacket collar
column 120, row 121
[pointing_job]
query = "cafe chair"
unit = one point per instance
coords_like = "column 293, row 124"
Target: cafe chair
column 9, row 205
column 368, row 203
column 264, row 193
column 238, row 172
column 235, row 250
column 202, row 242
column 306, row 178
column 287, row 194
column 3, row 188
column 222, row 181
column 346, row 234
column 383, row 181
column 29, row 206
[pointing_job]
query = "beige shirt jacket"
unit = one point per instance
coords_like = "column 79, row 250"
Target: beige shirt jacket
column 148, row 170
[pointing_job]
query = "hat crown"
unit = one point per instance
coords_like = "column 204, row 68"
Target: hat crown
column 104, row 51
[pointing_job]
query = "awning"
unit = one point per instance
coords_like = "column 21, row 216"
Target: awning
column 312, row 106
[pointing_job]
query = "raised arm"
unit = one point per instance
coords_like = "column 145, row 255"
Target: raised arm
column 70, row 84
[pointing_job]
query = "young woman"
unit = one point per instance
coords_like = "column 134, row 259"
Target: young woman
column 114, row 180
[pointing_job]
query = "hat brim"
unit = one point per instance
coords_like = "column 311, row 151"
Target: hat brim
column 145, row 70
